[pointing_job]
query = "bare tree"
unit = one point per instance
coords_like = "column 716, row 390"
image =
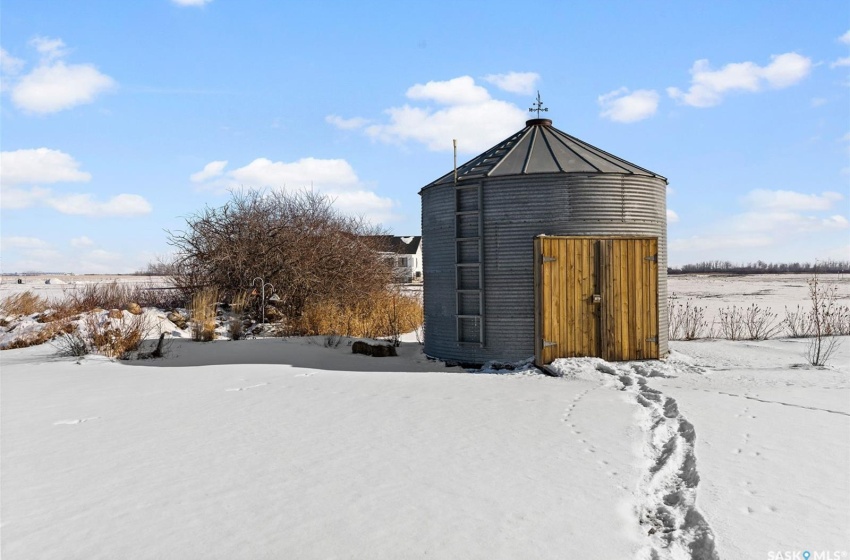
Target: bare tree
column 295, row 240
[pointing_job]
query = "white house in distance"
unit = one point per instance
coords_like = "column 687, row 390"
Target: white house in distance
column 406, row 253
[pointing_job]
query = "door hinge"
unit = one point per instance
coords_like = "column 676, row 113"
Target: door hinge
column 549, row 259
column 652, row 339
column 653, row 258
column 547, row 344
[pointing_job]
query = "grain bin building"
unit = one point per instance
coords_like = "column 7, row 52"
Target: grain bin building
column 545, row 245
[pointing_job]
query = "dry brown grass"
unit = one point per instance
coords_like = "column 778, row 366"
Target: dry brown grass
column 385, row 314
column 203, row 314
column 45, row 334
column 23, row 303
column 240, row 301
column 115, row 338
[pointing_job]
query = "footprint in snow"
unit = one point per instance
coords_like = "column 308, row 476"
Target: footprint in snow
column 246, row 388
column 307, row 374
column 75, row 421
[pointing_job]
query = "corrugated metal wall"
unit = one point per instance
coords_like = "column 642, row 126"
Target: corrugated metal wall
column 516, row 210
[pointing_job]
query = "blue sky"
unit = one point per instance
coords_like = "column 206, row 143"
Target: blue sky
column 121, row 118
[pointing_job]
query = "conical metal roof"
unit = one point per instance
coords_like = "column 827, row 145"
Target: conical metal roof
column 542, row 148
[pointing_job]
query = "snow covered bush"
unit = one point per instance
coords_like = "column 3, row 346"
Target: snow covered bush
column 111, row 335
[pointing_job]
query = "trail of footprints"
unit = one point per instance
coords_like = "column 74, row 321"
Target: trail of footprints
column 667, row 492
column 568, row 419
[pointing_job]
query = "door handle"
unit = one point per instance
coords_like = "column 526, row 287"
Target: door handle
column 596, row 298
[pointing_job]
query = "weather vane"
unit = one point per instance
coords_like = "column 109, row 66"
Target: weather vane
column 538, row 106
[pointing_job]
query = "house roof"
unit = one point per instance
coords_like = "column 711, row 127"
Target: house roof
column 400, row 245
column 542, row 148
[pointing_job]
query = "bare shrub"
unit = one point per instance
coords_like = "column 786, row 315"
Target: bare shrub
column 685, row 321
column 332, row 340
column 731, row 322
column 823, row 341
column 797, row 322
column 71, row 344
column 840, row 320
column 296, row 241
column 115, row 338
column 23, row 303
column 203, row 314
column 760, row 322
column 235, row 329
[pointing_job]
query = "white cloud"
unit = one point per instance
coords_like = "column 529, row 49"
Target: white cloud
column 515, row 82
column 210, row 170
column 708, row 87
column 818, row 101
column 346, row 124
column 50, row 49
column 13, row 242
column 86, row 205
column 779, row 224
column 374, row 208
column 9, row 64
column 320, row 173
column 191, row 2
column 58, row 86
column 14, row 199
column 333, row 177
column 770, row 220
column 39, row 166
column 81, row 241
column 622, row 106
column 263, row 173
column 845, row 38
column 471, row 116
column 840, row 62
column 54, row 85
column 710, row 242
column 791, row 201
column 672, row 217
column 457, row 91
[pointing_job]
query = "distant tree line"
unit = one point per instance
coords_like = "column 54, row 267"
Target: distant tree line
column 761, row 267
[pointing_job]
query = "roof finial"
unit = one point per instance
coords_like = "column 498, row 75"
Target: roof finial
column 538, row 106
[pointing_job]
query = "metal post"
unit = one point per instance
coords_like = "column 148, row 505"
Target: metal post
column 263, row 285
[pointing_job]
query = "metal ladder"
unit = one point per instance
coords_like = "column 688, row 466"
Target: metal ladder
column 469, row 264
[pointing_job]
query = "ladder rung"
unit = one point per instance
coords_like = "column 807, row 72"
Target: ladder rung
column 469, row 316
column 467, row 238
column 466, row 212
column 467, row 186
column 469, row 291
column 468, row 264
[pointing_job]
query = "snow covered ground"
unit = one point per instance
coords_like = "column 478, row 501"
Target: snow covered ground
column 283, row 448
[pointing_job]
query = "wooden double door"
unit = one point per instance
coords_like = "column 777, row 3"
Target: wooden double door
column 596, row 296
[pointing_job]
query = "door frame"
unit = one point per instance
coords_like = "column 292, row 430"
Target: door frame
column 600, row 254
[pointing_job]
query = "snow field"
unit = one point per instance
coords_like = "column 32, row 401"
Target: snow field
column 277, row 448
column 102, row 460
